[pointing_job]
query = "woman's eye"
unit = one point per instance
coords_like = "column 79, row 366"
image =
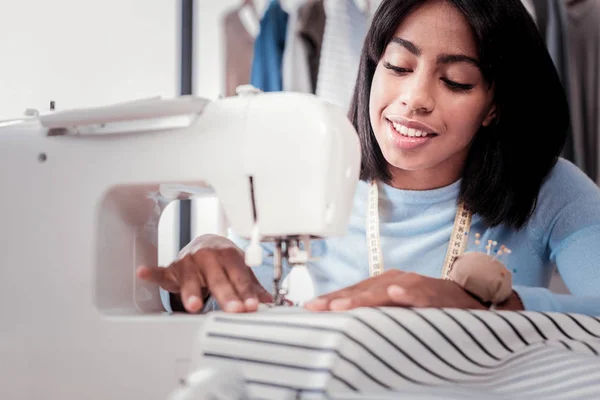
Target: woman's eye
column 395, row 68
column 459, row 87
column 455, row 86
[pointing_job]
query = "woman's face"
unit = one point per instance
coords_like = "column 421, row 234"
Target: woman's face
column 428, row 96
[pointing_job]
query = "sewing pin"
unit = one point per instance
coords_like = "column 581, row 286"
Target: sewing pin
column 489, row 247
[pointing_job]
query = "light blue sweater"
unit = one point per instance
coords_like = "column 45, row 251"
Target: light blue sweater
column 415, row 229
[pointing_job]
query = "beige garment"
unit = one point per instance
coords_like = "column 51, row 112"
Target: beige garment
column 310, row 27
column 239, row 47
column 295, row 69
column 583, row 40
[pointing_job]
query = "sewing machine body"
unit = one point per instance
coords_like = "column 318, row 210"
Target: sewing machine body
column 82, row 197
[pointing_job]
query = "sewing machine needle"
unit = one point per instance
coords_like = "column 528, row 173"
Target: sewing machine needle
column 278, row 272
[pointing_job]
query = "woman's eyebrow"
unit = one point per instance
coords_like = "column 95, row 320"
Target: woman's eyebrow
column 442, row 59
column 457, row 58
column 408, row 45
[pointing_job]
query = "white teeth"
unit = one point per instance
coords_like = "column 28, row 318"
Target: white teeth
column 411, row 132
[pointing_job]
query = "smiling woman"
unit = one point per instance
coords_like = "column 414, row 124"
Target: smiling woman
column 429, row 65
column 461, row 117
column 460, row 68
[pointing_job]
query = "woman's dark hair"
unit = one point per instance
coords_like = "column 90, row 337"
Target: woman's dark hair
column 510, row 159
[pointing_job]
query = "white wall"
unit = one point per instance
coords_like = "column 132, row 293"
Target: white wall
column 89, row 53
column 85, row 53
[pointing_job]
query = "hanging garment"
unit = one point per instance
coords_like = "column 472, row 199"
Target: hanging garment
column 239, row 43
column 556, row 41
column 343, row 38
column 295, row 69
column 311, row 28
column 555, row 30
column 583, row 41
column 266, row 71
column 529, row 5
column 552, row 24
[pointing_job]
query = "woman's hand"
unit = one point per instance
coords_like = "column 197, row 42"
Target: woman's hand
column 397, row 288
column 210, row 264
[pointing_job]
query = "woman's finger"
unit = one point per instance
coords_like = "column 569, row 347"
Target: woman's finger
column 160, row 275
column 220, row 286
column 374, row 297
column 322, row 303
column 264, row 296
column 402, row 297
column 192, row 285
column 242, row 278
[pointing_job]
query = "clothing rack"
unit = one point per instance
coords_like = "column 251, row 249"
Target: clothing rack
column 186, row 88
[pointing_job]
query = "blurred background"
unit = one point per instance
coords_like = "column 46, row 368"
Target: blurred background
column 89, row 53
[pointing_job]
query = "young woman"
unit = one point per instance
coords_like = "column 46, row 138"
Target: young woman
column 458, row 107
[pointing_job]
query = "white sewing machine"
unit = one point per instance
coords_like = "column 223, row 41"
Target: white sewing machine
column 82, row 193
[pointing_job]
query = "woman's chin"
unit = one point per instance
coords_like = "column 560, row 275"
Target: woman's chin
column 403, row 163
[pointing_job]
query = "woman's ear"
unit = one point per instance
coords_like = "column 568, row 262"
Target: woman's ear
column 491, row 115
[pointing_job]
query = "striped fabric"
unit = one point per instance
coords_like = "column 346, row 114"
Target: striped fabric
column 423, row 353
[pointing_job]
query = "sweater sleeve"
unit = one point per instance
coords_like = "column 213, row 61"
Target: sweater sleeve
column 567, row 224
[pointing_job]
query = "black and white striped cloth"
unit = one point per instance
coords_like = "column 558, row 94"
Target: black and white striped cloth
column 385, row 353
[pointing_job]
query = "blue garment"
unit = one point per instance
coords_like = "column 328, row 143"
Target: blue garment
column 266, row 73
column 416, row 226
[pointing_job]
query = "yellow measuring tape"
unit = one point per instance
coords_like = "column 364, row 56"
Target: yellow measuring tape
column 456, row 246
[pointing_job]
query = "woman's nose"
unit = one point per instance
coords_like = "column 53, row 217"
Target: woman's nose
column 417, row 95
